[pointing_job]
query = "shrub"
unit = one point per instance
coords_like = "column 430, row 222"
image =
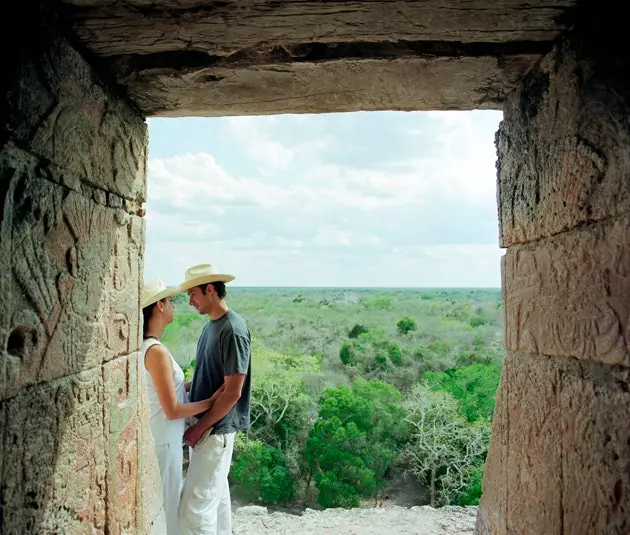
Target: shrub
column 406, row 325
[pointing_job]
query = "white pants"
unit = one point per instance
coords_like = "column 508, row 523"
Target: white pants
column 170, row 459
column 205, row 507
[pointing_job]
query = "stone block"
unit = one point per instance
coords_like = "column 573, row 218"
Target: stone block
column 595, row 408
column 69, row 277
column 53, row 462
column 567, row 296
column 560, row 463
column 564, row 146
column 492, row 519
column 59, row 109
column 121, row 432
column 534, row 449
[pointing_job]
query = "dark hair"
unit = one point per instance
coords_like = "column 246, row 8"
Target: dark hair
column 219, row 287
column 147, row 312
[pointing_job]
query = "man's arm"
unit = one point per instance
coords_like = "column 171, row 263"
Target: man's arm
column 229, row 394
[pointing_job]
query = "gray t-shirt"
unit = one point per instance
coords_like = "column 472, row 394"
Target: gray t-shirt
column 224, row 348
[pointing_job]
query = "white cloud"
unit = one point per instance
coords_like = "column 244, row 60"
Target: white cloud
column 307, row 210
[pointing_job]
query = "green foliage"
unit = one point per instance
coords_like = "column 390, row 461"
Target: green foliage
column 406, row 325
column 388, row 351
column 354, row 441
column 473, row 386
column 189, row 370
column 337, row 446
column 478, row 321
column 260, row 474
column 471, row 492
column 346, row 354
column 357, row 331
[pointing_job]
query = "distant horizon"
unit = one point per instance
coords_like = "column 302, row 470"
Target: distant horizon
column 346, row 287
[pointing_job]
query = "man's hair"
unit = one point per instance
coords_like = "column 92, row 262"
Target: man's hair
column 219, row 287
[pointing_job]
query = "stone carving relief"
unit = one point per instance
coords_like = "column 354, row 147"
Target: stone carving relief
column 121, row 420
column 53, row 451
column 71, row 275
column 566, row 162
column 568, row 296
column 99, row 138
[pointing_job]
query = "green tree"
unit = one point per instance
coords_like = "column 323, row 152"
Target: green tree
column 347, row 355
column 354, row 441
column 406, row 325
column 357, row 331
column 260, row 474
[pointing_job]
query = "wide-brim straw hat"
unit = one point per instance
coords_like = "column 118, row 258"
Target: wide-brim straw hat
column 203, row 274
column 155, row 291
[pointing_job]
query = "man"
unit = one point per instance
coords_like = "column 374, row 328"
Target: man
column 223, row 364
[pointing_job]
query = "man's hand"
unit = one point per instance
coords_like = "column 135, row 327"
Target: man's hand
column 193, row 434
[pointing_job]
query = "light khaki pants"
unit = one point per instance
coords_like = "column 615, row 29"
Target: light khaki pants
column 205, row 507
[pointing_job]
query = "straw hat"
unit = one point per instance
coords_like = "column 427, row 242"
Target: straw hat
column 155, row 291
column 202, row 274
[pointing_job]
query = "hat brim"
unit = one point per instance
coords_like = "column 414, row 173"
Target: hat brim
column 172, row 291
column 206, row 279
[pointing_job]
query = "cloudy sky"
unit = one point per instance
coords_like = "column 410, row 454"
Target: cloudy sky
column 353, row 199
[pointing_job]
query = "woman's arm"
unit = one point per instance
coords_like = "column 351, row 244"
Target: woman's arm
column 158, row 364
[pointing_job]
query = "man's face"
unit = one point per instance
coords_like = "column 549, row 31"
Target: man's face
column 198, row 300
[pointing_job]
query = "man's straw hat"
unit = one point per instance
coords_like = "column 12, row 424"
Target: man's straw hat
column 202, row 274
column 155, row 291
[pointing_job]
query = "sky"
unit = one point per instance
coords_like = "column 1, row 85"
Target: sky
column 368, row 199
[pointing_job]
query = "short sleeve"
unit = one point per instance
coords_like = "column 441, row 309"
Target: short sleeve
column 236, row 354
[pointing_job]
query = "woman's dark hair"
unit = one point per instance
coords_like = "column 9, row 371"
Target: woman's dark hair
column 147, row 312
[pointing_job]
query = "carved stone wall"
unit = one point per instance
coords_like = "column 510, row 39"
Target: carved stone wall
column 559, row 461
column 72, row 183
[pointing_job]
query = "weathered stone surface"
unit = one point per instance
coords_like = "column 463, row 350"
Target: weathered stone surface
column 338, row 85
column 568, row 455
column 121, row 427
column 564, row 146
column 493, row 520
column 72, row 181
column 53, row 462
column 229, row 58
column 223, row 28
column 70, row 303
column 595, row 408
column 60, row 110
column 568, row 296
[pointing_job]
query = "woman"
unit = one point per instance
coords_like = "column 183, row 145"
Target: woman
column 167, row 396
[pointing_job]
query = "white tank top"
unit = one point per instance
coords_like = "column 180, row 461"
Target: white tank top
column 164, row 431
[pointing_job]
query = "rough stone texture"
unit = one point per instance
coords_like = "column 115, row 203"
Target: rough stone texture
column 53, row 454
column 565, row 450
column 568, row 296
column 564, row 148
column 559, row 459
column 376, row 521
column 338, row 85
column 72, row 180
column 194, row 57
column 60, row 110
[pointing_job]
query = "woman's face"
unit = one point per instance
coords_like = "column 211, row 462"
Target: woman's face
column 168, row 310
